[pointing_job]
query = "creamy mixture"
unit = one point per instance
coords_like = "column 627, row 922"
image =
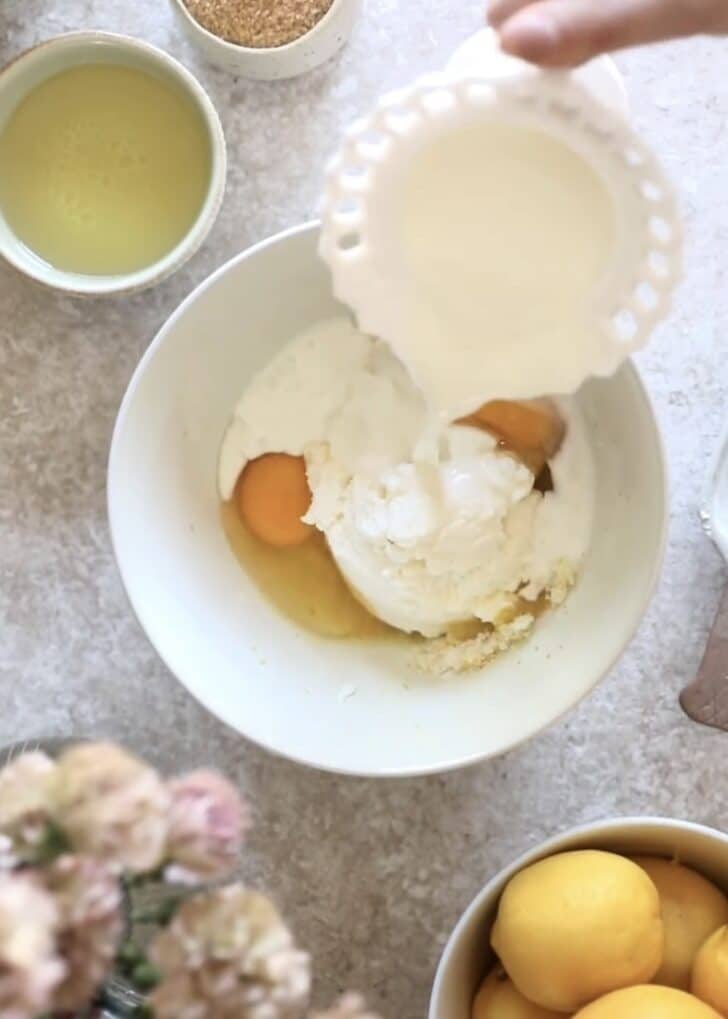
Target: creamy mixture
column 484, row 256
column 423, row 545
column 505, row 233
column 90, row 168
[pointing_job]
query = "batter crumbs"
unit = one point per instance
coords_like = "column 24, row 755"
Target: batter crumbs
column 472, row 646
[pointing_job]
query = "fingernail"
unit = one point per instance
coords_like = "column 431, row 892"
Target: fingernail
column 532, row 35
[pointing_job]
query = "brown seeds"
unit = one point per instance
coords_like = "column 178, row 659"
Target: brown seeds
column 258, row 23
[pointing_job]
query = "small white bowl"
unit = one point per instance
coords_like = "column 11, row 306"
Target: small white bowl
column 468, row 957
column 270, row 64
column 359, row 708
column 35, row 66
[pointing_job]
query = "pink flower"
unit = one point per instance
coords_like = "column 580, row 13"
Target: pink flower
column 207, row 824
column 25, row 805
column 29, row 967
column 91, row 924
column 350, row 1006
column 112, row 805
column 228, row 955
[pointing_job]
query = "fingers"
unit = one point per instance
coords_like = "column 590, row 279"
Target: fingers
column 500, row 10
column 563, row 33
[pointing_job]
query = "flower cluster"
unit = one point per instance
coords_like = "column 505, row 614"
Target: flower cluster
column 25, row 797
column 207, row 822
column 76, row 833
column 89, row 900
column 227, row 953
column 350, row 1006
column 30, row 969
column 107, row 804
column 69, row 830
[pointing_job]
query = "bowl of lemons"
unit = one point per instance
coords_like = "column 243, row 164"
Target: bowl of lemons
column 624, row 919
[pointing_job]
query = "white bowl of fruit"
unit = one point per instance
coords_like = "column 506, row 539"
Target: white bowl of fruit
column 623, row 919
column 285, row 553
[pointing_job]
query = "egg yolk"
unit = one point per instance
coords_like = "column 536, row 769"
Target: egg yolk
column 532, row 429
column 271, row 496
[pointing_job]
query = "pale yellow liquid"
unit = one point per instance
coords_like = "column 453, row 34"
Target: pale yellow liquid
column 303, row 583
column 103, row 169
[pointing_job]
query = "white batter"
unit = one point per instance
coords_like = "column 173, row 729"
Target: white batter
column 423, row 545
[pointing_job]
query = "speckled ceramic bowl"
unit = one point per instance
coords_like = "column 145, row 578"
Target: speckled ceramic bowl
column 269, row 64
column 35, row 66
column 347, row 706
column 468, row 957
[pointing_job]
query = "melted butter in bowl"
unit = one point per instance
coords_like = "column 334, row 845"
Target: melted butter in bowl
column 103, row 169
column 112, row 163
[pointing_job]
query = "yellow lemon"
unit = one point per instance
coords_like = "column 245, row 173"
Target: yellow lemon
column 647, row 1002
column 499, row 999
column 710, row 972
column 692, row 910
column 577, row 925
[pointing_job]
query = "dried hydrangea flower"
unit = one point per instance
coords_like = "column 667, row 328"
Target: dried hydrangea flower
column 91, row 924
column 207, row 824
column 29, row 966
column 349, row 1006
column 112, row 805
column 228, row 955
column 25, row 805
column 8, row 856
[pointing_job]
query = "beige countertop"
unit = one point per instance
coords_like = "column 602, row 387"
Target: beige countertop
column 372, row 875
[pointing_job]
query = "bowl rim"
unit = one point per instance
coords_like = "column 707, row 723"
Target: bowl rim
column 145, row 617
column 87, row 285
column 261, row 52
column 559, row 842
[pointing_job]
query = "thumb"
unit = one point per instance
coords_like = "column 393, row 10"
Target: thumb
column 563, row 33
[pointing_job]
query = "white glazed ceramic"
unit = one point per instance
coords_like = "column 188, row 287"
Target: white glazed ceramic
column 303, row 54
column 361, row 235
column 467, row 956
column 358, row 708
column 36, row 65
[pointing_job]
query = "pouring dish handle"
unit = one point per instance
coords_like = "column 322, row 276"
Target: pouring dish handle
column 705, row 700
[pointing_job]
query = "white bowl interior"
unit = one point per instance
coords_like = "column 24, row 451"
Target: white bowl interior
column 356, row 708
column 44, row 61
column 467, row 956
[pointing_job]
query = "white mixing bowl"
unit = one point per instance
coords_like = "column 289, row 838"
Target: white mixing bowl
column 468, row 957
column 358, row 708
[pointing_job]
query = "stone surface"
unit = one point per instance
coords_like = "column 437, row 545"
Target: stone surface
column 371, row 874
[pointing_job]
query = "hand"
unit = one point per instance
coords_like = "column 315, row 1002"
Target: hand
column 563, row 33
